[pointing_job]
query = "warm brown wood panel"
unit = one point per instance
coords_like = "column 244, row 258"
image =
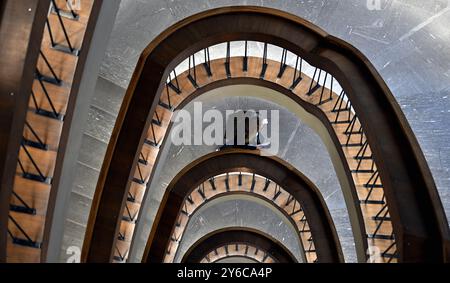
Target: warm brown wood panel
column 21, row 28
column 50, row 95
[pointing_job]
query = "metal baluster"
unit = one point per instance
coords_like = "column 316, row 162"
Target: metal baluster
column 50, row 32
column 207, row 63
column 227, row 182
column 39, row 144
column 317, row 86
column 175, row 87
column 264, row 63
column 54, row 114
column 277, row 193
column 323, row 89
column 266, row 185
column 157, row 121
column 245, row 59
column 141, row 180
column 213, row 184
column 375, row 234
column 70, row 48
column 25, row 208
column 142, row 159
column 55, row 79
column 193, row 71
column 228, row 60
column 252, row 187
column 167, row 105
column 28, row 242
column 283, row 64
column 74, row 15
column 131, row 198
column 296, row 80
column 40, row 177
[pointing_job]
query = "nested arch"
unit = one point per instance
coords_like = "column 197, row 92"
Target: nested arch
column 419, row 222
column 276, row 92
column 326, row 242
column 244, row 186
column 238, row 252
column 263, row 245
column 269, row 220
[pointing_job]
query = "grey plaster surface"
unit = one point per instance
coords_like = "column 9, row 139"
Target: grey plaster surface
column 101, row 118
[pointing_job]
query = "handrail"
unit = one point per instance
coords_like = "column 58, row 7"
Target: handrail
column 82, row 55
column 49, row 103
column 21, row 28
column 421, row 226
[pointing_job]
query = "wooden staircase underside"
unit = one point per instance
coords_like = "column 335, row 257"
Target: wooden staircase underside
column 41, row 137
column 336, row 107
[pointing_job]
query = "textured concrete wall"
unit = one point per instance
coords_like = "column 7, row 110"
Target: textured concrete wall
column 98, row 125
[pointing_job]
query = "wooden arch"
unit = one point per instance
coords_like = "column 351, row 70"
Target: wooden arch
column 217, row 239
column 296, row 184
column 236, row 185
column 421, row 228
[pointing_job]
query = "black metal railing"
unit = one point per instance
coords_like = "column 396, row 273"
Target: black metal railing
column 35, row 143
column 69, row 48
column 322, row 88
column 189, row 207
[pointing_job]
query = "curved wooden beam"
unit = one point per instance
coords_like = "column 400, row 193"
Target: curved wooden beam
column 219, row 238
column 261, row 191
column 335, row 139
column 414, row 203
column 321, row 226
column 361, row 245
column 22, row 24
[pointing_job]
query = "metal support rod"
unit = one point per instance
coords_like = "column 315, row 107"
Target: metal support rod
column 28, row 241
column 264, row 62
column 74, row 15
column 176, row 86
column 283, row 64
column 55, row 78
column 228, row 60
column 41, row 175
column 39, row 144
column 296, row 80
column 323, row 89
column 245, row 59
column 192, row 76
column 58, row 13
column 47, row 95
column 207, row 63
